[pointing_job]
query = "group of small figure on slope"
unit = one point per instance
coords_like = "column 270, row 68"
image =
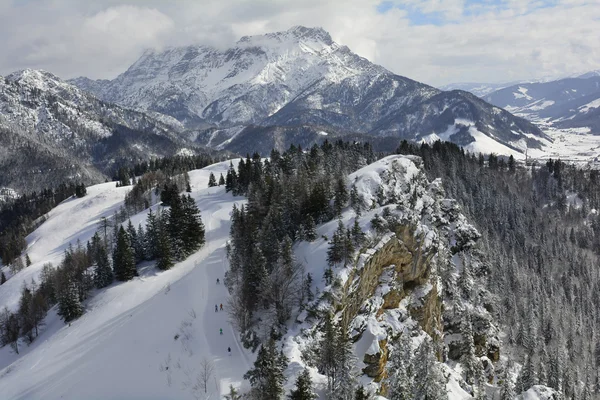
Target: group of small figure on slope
column 217, row 307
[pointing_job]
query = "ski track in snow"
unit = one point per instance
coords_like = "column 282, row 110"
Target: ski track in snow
column 124, row 345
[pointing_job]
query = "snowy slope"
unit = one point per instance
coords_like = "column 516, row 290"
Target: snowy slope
column 124, row 346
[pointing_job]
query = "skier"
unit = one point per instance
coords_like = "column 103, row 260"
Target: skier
column 229, row 350
column 216, row 308
column 217, row 281
column 221, row 331
column 221, row 306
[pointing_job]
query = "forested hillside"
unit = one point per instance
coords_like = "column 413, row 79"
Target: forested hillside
column 541, row 230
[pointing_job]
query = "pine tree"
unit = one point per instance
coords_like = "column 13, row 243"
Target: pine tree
column 103, row 274
column 163, row 252
column 69, row 306
column 340, row 196
column 133, row 239
column 152, row 235
column 355, row 201
column 266, row 378
column 527, row 376
column 140, row 245
column 358, row 236
column 555, row 373
column 24, row 317
column 430, row 384
column 11, row 329
column 337, row 244
column 507, row 391
column 212, row 182
column 233, row 394
column 345, row 381
column 176, row 226
column 193, row 230
column 27, row 260
column 361, row 394
column 123, row 258
column 221, row 180
column 327, row 352
column 304, row 389
column 401, row 380
column 2, row 278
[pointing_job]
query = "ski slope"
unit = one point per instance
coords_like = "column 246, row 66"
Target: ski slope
column 142, row 339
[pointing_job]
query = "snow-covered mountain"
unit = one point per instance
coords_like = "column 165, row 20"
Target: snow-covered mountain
column 52, row 131
column 565, row 103
column 477, row 88
column 301, row 77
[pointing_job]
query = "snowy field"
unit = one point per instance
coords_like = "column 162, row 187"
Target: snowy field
column 142, row 339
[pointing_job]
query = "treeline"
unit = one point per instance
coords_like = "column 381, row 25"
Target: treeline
column 542, row 249
column 20, row 216
column 169, row 166
column 288, row 195
column 169, row 236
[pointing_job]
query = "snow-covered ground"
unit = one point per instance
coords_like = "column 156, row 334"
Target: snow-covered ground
column 573, row 144
column 142, row 339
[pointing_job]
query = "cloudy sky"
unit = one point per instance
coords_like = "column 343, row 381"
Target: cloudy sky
column 434, row 41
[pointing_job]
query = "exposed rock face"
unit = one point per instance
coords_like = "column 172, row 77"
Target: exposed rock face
column 377, row 362
column 405, row 284
column 411, row 268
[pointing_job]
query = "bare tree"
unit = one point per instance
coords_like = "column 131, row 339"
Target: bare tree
column 207, row 369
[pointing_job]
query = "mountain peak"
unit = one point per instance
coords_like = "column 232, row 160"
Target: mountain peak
column 297, row 33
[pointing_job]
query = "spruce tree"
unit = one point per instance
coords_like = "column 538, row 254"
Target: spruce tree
column 527, row 376
column 163, row 252
column 193, row 230
column 340, row 197
column 69, row 306
column 212, row 182
column 337, row 245
column 361, row 394
column 233, row 394
column 304, row 389
column 152, row 235
column 266, row 378
column 133, row 239
column 221, row 180
column 2, row 278
column 401, row 379
column 345, row 379
column 27, row 260
column 123, row 258
column 430, row 383
column 327, row 352
column 176, row 227
column 358, row 236
column 140, row 246
column 103, row 274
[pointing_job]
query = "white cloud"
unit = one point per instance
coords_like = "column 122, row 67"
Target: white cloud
column 515, row 39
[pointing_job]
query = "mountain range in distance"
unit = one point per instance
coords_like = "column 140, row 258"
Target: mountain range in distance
column 568, row 103
column 268, row 91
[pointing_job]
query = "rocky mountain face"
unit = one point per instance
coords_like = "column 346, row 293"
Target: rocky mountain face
column 51, row 131
column 421, row 277
column 565, row 103
column 297, row 79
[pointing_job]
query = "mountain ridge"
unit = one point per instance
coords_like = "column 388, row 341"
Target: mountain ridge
column 298, row 77
column 54, row 132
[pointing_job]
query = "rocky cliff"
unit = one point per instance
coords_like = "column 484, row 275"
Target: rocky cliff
column 410, row 278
